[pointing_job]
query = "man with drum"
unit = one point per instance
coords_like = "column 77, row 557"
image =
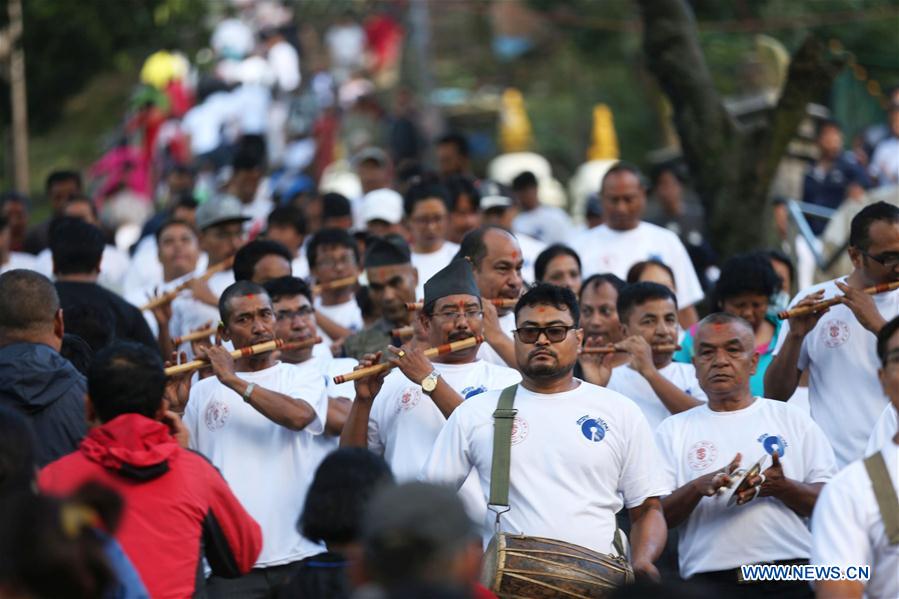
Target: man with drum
column 400, row 415
column 729, row 518
column 838, row 345
column 577, row 451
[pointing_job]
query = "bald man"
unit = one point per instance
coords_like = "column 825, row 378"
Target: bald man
column 704, row 447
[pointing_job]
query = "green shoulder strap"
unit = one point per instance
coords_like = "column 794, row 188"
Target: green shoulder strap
column 502, row 448
column 884, row 493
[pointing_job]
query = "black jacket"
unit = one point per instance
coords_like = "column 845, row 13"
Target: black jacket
column 46, row 388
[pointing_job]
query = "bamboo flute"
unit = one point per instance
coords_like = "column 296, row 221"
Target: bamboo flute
column 431, row 352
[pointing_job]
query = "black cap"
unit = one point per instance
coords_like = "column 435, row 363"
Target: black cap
column 456, row 278
column 387, row 251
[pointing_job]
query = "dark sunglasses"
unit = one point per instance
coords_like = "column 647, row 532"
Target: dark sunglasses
column 554, row 333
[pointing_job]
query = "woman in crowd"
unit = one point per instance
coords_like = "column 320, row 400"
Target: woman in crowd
column 560, row 265
column 744, row 289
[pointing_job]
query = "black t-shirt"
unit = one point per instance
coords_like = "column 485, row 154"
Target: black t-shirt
column 124, row 321
column 317, row 577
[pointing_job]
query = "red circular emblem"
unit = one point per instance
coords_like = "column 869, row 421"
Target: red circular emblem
column 835, row 333
column 702, row 455
column 409, row 399
column 519, row 430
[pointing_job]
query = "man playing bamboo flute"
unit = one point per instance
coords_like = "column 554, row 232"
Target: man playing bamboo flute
column 255, row 421
column 838, row 345
column 400, row 415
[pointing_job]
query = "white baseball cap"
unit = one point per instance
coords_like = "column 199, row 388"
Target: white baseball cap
column 382, row 204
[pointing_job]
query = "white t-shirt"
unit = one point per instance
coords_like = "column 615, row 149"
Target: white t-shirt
column 698, row 441
column 577, row 457
column 844, row 394
column 138, row 296
column 19, row 260
column 487, row 353
column 847, row 527
column 885, row 161
column 204, row 122
column 546, row 223
column 220, row 281
column 114, row 265
column 268, row 466
column 606, row 250
column 631, row 384
column 530, row 249
column 346, row 314
column 299, row 266
column 884, row 430
column 429, row 265
column 285, row 63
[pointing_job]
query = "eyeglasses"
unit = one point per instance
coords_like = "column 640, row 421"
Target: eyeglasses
column 454, row 314
column 890, row 260
column 304, row 313
column 554, row 333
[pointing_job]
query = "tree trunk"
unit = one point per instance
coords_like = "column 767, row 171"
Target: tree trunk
column 731, row 168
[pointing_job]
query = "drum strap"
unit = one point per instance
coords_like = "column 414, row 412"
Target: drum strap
column 503, row 417
column 885, row 494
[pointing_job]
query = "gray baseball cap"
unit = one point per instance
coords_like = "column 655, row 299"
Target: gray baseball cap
column 219, row 209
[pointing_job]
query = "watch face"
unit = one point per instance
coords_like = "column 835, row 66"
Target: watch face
column 429, row 384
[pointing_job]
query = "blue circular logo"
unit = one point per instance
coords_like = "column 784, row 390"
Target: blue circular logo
column 774, row 443
column 593, row 430
column 472, row 391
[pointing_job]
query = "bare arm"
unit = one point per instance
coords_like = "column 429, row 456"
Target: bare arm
column 648, row 536
column 501, row 343
column 680, row 504
column 338, row 411
column 839, row 589
column 355, row 428
column 782, row 375
column 417, row 367
column 671, row 396
column 292, row 413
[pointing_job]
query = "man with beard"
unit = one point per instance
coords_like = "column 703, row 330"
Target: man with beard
column 703, row 447
column 255, row 420
column 656, row 383
column 838, row 346
column 399, row 415
column 496, row 259
column 391, row 283
column 578, row 452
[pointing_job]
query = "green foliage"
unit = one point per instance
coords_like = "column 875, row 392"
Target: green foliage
column 68, row 42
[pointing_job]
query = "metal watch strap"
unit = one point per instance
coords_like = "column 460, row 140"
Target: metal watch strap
column 885, row 494
column 248, row 392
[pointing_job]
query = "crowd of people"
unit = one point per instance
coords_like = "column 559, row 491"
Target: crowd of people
column 361, row 382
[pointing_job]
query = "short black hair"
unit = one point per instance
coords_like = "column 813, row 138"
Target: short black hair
column 287, row 287
column 624, row 167
column 606, row 278
column 325, row 237
column 248, row 256
column 77, row 351
column 425, row 190
column 171, row 222
column 77, row 246
column 825, row 124
column 552, row 295
column 883, row 339
column 859, row 230
column 126, row 378
column 336, row 501
column 524, row 180
column 60, row 176
column 746, row 273
column 547, row 256
column 638, row 294
column 636, row 271
column 779, row 256
column 17, row 444
column 28, row 300
column 335, row 205
column 288, row 216
column 473, row 248
column 250, row 153
column 455, row 139
column 237, row 289
column 459, row 185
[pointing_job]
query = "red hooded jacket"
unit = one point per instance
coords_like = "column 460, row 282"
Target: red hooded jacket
column 177, row 505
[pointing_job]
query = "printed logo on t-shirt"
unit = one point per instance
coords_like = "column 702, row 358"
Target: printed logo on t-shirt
column 472, row 391
column 702, row 455
column 217, row 413
column 409, row 399
column 773, row 443
column 835, row 333
column 593, row 429
column 519, row 430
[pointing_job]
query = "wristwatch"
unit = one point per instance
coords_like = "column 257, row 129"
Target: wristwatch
column 429, row 383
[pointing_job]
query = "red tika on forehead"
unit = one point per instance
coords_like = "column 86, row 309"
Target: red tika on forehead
column 250, row 295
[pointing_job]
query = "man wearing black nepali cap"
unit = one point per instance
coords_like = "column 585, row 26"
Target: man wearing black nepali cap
column 401, row 413
column 391, row 283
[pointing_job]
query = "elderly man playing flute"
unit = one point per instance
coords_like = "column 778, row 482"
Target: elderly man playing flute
column 400, row 414
column 837, row 345
column 256, row 420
